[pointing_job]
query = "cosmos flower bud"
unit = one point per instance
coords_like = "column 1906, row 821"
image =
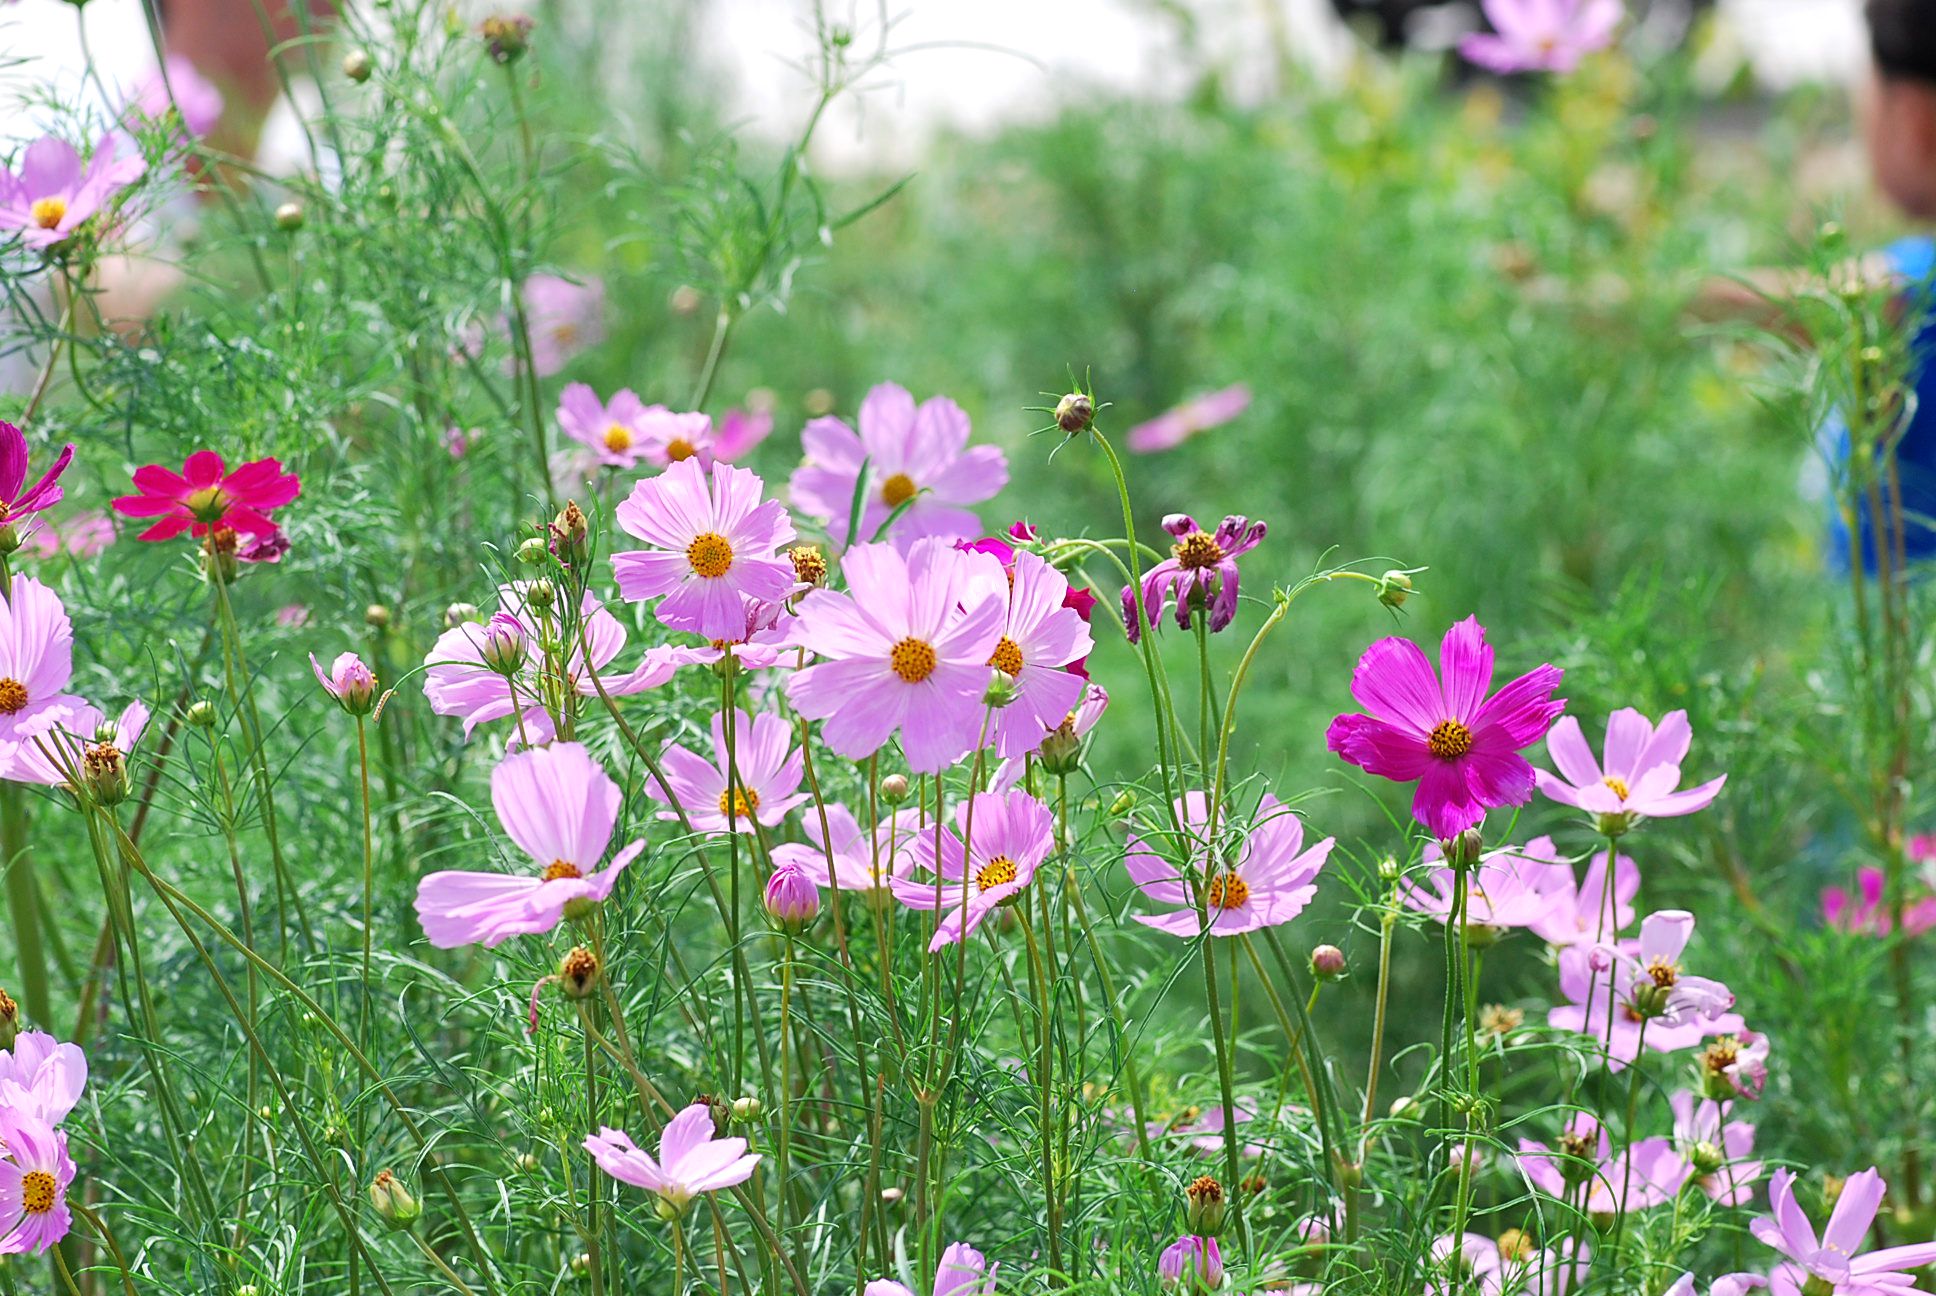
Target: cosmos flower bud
column 571, row 534
column 393, row 1201
column 1075, row 412
column 1191, row 1264
column 541, row 594
column 809, row 565
column 534, row 552
column 1463, row 851
column 1203, row 1206
column 1394, row 587
column 1327, row 962
column 503, row 646
column 289, row 217
column 506, row 37
column 1706, row 1158
column 376, row 616
column 1000, row 691
column 746, row 1110
column 9, row 1020
column 201, row 715
column 894, row 789
column 792, row 900
column 1125, row 802
column 579, row 973
column 528, row 1162
column 1061, row 750
column 581, row 1264
column 357, row 66
column 458, row 613
column 1404, row 1107
column 9, row 538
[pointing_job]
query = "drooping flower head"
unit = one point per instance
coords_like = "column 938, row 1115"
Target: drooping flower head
column 558, row 805
column 1541, row 35
column 768, row 783
column 1012, row 834
column 1200, row 575
column 713, row 542
column 1835, row 1262
column 349, row 681
column 1460, row 746
column 690, row 1161
column 905, row 647
column 36, row 653
column 1720, row 1150
column 1257, row 874
column 1042, row 639
column 205, row 495
column 564, row 318
column 860, row 862
column 18, row 500
column 1640, row 777
column 1175, row 426
column 46, row 1076
column 54, row 193
column 916, row 456
column 35, row 1172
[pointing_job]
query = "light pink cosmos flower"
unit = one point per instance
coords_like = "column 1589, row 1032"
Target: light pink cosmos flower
column 292, row 616
column 564, row 318
column 559, row 806
column 861, row 862
column 1641, row 774
column 1013, row 833
column 42, row 1076
column 690, row 1162
column 739, row 431
column 918, row 456
column 1836, row 1261
column 459, row 440
column 18, row 500
column 769, row 777
column 1541, row 35
column 194, row 94
column 614, row 432
column 83, row 535
column 1580, row 910
column 1041, row 638
column 349, row 681
column 672, row 437
column 1512, row 887
column 1175, row 426
column 713, row 542
column 1734, row 1284
column 1267, row 879
column 1469, row 1262
column 1872, row 914
column 963, row 1271
column 1649, row 979
column 1201, row 1128
column 1734, row 1064
column 1586, row 982
column 65, row 737
column 1647, row 1174
column 906, row 647
column 36, row 653
column 35, row 1172
column 1460, row 746
column 1193, row 1263
column 1720, row 1150
column 54, row 193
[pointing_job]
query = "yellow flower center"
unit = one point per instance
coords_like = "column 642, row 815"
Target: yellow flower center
column 913, row 660
column 1515, row 1245
column 740, row 803
column 1197, row 550
column 208, row 504
column 1664, row 971
column 48, row 213
column 679, row 448
column 1227, row 891
column 1449, row 739
column 561, row 869
column 710, row 554
column 1617, row 786
column 618, row 438
column 13, row 696
column 898, row 490
column 1008, row 657
column 37, row 1191
column 996, row 872
column 1722, row 1053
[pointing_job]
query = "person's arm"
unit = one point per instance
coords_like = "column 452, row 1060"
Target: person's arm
column 1761, row 297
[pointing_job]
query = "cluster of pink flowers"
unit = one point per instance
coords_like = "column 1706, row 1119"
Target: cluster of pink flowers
column 41, row 1080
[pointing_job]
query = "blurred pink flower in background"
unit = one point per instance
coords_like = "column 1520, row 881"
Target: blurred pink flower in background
column 1542, row 35
column 1871, row 912
column 194, row 94
column 739, row 431
column 1175, row 426
column 564, row 318
column 293, row 617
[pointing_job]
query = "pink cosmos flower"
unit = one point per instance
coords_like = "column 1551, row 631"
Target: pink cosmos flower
column 768, row 785
column 564, row 318
column 349, row 681
column 1199, row 575
column 1013, row 834
column 1541, row 35
column 1469, row 1262
column 963, row 1271
column 861, row 862
column 1580, row 911
column 1649, row 980
column 713, row 542
column 1201, row 1128
column 672, row 437
column 194, row 94
column 739, row 431
column 1175, row 426
column 917, row 456
column 292, row 616
column 1460, row 746
column 690, row 1162
column 1836, row 1262
column 1256, row 875
column 1719, row 1150
column 1872, row 914
column 1734, row 1064
column 1734, row 1284
column 1041, row 639
column 1643, row 769
column 205, row 494
column 1586, row 978
column 1193, row 1263
column 36, row 653
column 42, row 1076
column 615, row 432
column 1647, row 1174
column 559, row 806
column 66, row 737
column 34, row 1174
column 1509, row 888
column 82, row 535
column 458, row 441
column 18, row 500
column 906, row 647
column 54, row 194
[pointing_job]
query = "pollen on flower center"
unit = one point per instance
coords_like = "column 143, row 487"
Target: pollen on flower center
column 13, row 695
column 679, row 448
column 739, row 803
column 49, row 212
column 208, row 504
column 1227, row 891
column 561, row 869
column 618, row 438
column 1197, row 550
column 1617, row 786
column 1664, row 971
column 913, row 660
column 898, row 490
column 1722, row 1053
column 1449, row 739
column 1577, row 1145
column 1007, row 657
column 710, row 554
column 37, row 1191
column 996, row 872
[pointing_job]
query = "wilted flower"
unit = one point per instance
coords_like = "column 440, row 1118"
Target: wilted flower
column 713, row 541
column 1641, row 775
column 767, row 766
column 1541, row 35
column 691, row 1161
column 1013, row 833
column 1175, row 426
column 393, row 1202
column 1200, row 574
column 349, row 681
column 1836, row 1263
column 506, row 36
column 206, row 495
column 55, row 193
column 1268, row 879
column 1734, row 1064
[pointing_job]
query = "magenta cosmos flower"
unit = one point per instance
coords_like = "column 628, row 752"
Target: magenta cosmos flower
column 182, row 88
column 1541, row 35
column 18, row 500
column 918, row 456
column 768, row 786
column 860, row 861
column 1836, row 1261
column 1200, row 574
column 1720, row 1150
column 205, row 494
column 563, row 318
column 36, row 653
column 1641, row 775
column 713, row 542
column 1581, row 910
column 34, row 1174
column 349, row 681
column 54, row 193
column 905, row 647
column 42, row 1076
column 1175, row 426
column 1647, row 1174
column 1265, row 880
column 1871, row 913
column 963, row 1271
column 690, row 1162
column 1460, row 746
column 559, row 806
column 1513, row 887
column 1013, row 834
column 71, row 737
column 792, row 900
column 1042, row 639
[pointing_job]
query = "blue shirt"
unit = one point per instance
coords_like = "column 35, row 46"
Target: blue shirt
column 1913, row 260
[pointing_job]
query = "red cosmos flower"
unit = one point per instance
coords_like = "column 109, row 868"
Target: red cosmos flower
column 205, row 494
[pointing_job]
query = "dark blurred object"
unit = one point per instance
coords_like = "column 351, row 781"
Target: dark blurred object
column 1438, row 24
